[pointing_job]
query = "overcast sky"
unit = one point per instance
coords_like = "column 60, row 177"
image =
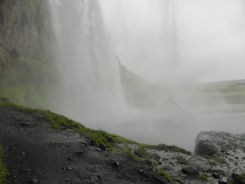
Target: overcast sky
column 191, row 40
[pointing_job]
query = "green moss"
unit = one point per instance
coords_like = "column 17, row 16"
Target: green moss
column 141, row 152
column 221, row 92
column 230, row 181
column 3, row 170
column 165, row 174
column 100, row 138
column 214, row 158
column 104, row 139
column 32, row 5
column 171, row 148
column 182, row 160
column 4, row 101
column 142, row 155
column 27, row 95
column 203, row 177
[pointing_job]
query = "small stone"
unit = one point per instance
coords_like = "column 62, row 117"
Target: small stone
column 223, row 180
column 115, row 164
column 34, row 181
column 190, row 171
column 98, row 149
column 79, row 153
column 67, row 180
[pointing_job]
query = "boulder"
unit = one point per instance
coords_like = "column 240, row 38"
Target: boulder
column 226, row 147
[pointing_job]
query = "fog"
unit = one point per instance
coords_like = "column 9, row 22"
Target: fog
column 207, row 37
column 174, row 44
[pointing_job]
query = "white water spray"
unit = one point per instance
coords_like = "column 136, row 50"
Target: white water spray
column 88, row 72
column 160, row 40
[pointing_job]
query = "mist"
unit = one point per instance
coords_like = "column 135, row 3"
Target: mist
column 134, row 67
column 207, row 38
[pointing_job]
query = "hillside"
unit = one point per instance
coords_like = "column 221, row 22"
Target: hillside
column 231, row 92
column 141, row 93
column 42, row 147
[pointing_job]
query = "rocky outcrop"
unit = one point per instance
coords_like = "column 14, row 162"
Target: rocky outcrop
column 219, row 159
column 228, row 148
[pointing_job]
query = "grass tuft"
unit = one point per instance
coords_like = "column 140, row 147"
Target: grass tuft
column 171, row 148
column 203, row 177
column 214, row 158
column 183, row 161
column 165, row 174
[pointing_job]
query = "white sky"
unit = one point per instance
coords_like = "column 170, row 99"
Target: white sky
column 210, row 38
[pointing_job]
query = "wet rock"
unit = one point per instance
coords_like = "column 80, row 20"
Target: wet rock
column 238, row 178
column 115, row 164
column 205, row 147
column 34, row 181
column 190, row 171
column 224, row 148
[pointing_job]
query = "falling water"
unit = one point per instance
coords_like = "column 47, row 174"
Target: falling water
column 160, row 40
column 89, row 81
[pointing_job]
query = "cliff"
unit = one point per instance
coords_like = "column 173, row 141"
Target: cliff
column 25, row 57
column 141, row 93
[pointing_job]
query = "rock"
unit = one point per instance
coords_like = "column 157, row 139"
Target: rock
column 223, row 147
column 98, row 149
column 190, row 171
column 205, row 147
column 34, row 181
column 115, row 164
column 238, row 179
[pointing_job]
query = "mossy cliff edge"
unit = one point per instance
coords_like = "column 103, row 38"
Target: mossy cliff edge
column 26, row 67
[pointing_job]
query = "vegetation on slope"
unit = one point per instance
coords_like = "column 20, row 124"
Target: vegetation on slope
column 232, row 92
column 104, row 140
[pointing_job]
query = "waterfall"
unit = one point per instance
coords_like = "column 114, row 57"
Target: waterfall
column 88, row 72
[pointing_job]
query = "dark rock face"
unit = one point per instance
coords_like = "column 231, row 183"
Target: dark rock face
column 27, row 69
column 25, row 36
